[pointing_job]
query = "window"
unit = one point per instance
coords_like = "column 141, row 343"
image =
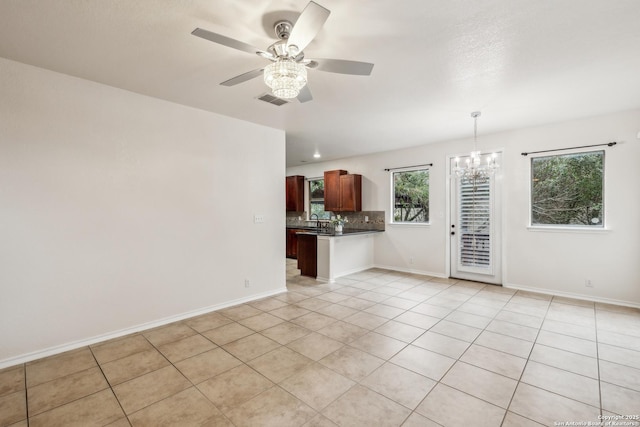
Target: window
column 567, row 190
column 316, row 199
column 410, row 196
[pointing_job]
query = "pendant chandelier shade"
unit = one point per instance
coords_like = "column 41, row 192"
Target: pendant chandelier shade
column 474, row 170
column 285, row 77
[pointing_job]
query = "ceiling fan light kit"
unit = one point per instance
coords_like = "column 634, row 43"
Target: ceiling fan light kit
column 285, row 77
column 287, row 74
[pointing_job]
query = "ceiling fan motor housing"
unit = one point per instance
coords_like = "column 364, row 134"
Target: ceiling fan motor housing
column 283, row 29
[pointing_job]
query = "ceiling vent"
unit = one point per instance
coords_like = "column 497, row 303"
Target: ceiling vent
column 267, row 97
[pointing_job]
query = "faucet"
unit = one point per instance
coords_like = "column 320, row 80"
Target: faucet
column 317, row 220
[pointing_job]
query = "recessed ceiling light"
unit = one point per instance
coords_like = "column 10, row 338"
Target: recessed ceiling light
column 316, row 156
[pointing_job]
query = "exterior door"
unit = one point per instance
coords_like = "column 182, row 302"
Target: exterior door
column 475, row 228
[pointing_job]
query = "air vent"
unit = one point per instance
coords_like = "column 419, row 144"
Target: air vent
column 267, row 97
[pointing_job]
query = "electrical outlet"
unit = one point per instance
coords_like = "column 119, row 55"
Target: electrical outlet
column 258, row 219
column 410, row 260
column 588, row 283
column 247, row 284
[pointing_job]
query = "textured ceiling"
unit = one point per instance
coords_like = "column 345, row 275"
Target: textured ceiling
column 521, row 63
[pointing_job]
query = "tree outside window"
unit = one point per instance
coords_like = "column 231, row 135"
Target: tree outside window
column 316, row 199
column 411, row 196
column 568, row 189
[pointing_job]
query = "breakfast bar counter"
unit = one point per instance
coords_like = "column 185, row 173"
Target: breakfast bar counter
column 343, row 254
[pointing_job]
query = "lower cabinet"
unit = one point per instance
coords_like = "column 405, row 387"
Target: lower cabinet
column 308, row 254
column 292, row 243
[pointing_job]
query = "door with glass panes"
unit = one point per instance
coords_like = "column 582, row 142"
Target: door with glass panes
column 475, row 228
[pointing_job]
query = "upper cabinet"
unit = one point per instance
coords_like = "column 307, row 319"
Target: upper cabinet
column 342, row 191
column 332, row 190
column 295, row 193
column 351, row 193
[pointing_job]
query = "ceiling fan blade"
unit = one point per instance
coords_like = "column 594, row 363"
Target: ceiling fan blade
column 243, row 77
column 305, row 94
column 342, row 66
column 229, row 42
column 308, row 25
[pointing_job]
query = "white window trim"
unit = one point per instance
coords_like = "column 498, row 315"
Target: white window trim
column 392, row 197
column 409, row 224
column 569, row 228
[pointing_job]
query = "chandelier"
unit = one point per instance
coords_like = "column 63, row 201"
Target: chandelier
column 285, row 77
column 474, row 171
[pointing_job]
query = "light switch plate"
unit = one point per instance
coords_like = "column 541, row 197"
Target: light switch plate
column 258, row 219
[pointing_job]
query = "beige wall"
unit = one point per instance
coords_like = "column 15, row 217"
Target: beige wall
column 120, row 211
column 555, row 262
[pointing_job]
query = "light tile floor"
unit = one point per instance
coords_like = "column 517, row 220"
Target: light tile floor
column 378, row 348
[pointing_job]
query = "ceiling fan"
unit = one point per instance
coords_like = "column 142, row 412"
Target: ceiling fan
column 287, row 73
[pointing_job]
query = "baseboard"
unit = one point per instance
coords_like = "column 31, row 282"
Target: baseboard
column 343, row 274
column 412, row 271
column 28, row 357
column 571, row 295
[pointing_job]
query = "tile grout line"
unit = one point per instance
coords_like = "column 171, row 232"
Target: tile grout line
column 109, row 384
column 26, row 394
column 388, row 360
column 595, row 317
column 180, row 372
column 458, row 360
column 427, row 330
column 525, row 366
column 196, row 385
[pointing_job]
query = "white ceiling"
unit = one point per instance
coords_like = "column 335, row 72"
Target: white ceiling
column 521, row 62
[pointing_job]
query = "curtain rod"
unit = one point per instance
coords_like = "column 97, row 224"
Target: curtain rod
column 405, row 167
column 609, row 144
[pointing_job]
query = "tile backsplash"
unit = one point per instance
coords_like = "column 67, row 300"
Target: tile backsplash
column 375, row 220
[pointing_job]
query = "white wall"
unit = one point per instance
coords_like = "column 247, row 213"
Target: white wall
column 554, row 262
column 120, row 211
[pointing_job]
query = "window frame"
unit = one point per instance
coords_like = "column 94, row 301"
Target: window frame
column 392, row 198
column 309, row 201
column 579, row 228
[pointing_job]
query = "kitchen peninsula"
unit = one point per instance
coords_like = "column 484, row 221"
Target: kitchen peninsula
column 336, row 254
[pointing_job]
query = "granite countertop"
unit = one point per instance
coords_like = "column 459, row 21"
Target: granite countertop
column 330, row 232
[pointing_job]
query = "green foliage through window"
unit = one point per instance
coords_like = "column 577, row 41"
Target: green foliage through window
column 568, row 189
column 316, row 199
column 411, row 196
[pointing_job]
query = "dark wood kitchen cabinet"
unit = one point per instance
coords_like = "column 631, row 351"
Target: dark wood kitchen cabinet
column 350, row 193
column 308, row 254
column 292, row 243
column 295, row 193
column 342, row 191
column 332, row 190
